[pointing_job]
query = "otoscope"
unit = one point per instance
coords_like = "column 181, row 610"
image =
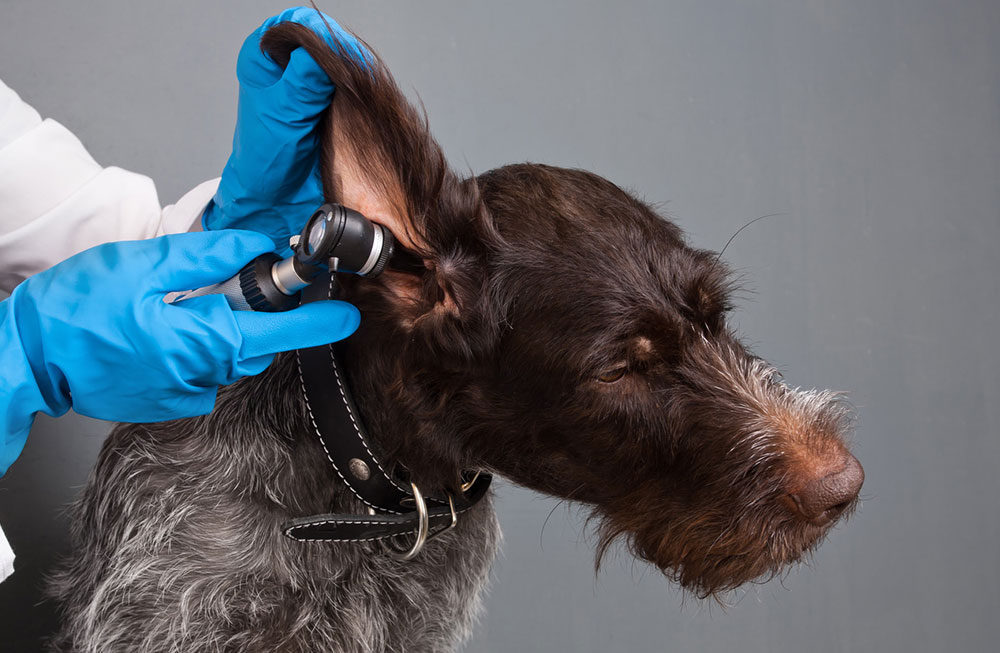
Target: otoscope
column 335, row 238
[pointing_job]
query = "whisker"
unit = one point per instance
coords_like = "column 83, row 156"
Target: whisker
column 566, row 500
column 731, row 238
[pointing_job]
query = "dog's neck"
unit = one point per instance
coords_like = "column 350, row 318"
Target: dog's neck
column 398, row 436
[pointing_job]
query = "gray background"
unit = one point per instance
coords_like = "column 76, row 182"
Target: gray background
column 874, row 127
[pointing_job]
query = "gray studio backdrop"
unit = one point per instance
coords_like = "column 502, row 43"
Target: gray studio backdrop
column 872, row 127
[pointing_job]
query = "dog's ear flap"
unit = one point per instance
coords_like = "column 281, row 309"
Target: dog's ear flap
column 367, row 134
column 379, row 158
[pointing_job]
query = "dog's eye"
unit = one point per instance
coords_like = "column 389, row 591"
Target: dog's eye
column 612, row 375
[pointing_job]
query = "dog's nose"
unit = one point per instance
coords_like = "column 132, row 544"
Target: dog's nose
column 822, row 500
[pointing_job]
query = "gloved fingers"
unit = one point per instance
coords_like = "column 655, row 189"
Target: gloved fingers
column 310, row 325
column 255, row 69
column 322, row 24
column 197, row 259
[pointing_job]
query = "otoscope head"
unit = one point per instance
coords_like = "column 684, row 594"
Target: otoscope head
column 335, row 238
column 341, row 238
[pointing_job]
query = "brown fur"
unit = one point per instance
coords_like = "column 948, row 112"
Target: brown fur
column 561, row 334
column 541, row 282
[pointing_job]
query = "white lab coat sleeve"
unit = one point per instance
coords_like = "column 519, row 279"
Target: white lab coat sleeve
column 6, row 557
column 56, row 200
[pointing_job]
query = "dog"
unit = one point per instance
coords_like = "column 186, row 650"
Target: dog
column 558, row 333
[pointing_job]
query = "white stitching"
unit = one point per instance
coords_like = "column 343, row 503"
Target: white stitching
column 288, row 531
column 323, row 539
column 350, row 413
column 357, row 431
column 341, row 521
column 312, row 418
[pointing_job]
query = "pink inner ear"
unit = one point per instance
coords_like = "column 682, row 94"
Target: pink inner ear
column 354, row 192
column 356, row 189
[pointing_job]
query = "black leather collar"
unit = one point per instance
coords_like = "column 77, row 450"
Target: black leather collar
column 335, row 420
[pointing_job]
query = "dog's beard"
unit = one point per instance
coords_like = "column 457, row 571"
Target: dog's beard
column 712, row 550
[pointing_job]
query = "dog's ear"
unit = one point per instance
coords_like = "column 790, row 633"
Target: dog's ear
column 379, row 158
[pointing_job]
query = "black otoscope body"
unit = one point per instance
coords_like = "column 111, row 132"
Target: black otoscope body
column 335, row 238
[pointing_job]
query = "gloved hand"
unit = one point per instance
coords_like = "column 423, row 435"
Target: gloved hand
column 272, row 181
column 94, row 333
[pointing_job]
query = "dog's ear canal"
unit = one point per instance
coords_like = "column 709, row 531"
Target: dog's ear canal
column 379, row 158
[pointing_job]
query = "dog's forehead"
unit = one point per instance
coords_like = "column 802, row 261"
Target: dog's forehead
column 621, row 279
column 540, row 203
column 588, row 261
column 596, row 316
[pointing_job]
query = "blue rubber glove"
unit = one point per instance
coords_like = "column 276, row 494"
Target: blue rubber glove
column 271, row 183
column 93, row 333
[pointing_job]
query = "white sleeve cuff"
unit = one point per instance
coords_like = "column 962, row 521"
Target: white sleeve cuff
column 6, row 557
column 114, row 205
column 185, row 215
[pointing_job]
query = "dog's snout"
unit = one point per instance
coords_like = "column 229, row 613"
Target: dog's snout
column 823, row 499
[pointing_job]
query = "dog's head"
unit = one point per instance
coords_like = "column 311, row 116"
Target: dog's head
column 564, row 335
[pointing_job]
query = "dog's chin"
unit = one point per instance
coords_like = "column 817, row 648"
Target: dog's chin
column 712, row 555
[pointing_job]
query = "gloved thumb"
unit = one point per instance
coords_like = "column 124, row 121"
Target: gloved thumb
column 310, row 325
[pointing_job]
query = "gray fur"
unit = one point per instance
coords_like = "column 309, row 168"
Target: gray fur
column 178, row 546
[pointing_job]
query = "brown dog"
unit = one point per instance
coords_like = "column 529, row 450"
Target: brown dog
column 561, row 334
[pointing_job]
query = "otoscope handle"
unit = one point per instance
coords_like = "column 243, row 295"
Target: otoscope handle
column 252, row 289
column 335, row 238
column 230, row 288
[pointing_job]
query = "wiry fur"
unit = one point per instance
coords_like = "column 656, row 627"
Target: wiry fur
column 179, row 546
column 563, row 335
